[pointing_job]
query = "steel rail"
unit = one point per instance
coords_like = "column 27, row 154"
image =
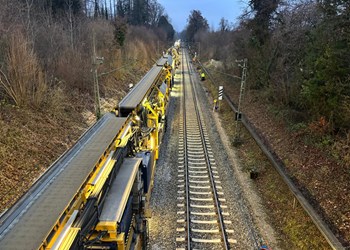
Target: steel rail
column 280, row 167
column 188, row 218
column 216, row 199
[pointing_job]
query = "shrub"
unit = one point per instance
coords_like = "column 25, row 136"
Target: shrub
column 23, row 81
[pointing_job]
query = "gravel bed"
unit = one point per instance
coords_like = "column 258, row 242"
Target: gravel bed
column 240, row 215
column 162, row 225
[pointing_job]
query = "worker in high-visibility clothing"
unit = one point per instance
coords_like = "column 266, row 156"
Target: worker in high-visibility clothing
column 202, row 76
column 215, row 108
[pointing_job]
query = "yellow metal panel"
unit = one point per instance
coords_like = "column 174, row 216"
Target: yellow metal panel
column 107, row 226
column 120, row 241
column 72, row 234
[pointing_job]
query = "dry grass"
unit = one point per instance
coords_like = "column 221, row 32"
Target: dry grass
column 138, row 51
column 296, row 229
column 24, row 82
column 74, row 69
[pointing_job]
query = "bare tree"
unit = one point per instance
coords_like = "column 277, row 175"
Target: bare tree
column 111, row 10
column 28, row 21
column 70, row 20
column 9, row 15
column 224, row 25
column 155, row 12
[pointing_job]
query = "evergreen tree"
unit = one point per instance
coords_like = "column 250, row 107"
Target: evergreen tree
column 140, row 12
column 61, row 6
column 120, row 30
column 196, row 23
column 96, row 9
column 164, row 25
column 123, row 8
column 264, row 10
column 106, row 13
column 326, row 89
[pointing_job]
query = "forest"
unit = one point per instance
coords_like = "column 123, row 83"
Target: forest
column 47, row 46
column 298, row 54
column 298, row 50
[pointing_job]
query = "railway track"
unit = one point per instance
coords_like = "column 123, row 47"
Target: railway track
column 202, row 207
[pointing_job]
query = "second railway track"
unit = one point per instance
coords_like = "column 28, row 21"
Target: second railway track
column 202, row 207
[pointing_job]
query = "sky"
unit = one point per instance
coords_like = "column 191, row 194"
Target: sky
column 212, row 10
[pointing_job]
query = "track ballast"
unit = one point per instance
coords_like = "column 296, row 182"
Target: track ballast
column 202, row 207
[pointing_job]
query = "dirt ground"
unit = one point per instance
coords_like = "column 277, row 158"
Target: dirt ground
column 29, row 142
column 323, row 180
column 251, row 195
column 32, row 139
